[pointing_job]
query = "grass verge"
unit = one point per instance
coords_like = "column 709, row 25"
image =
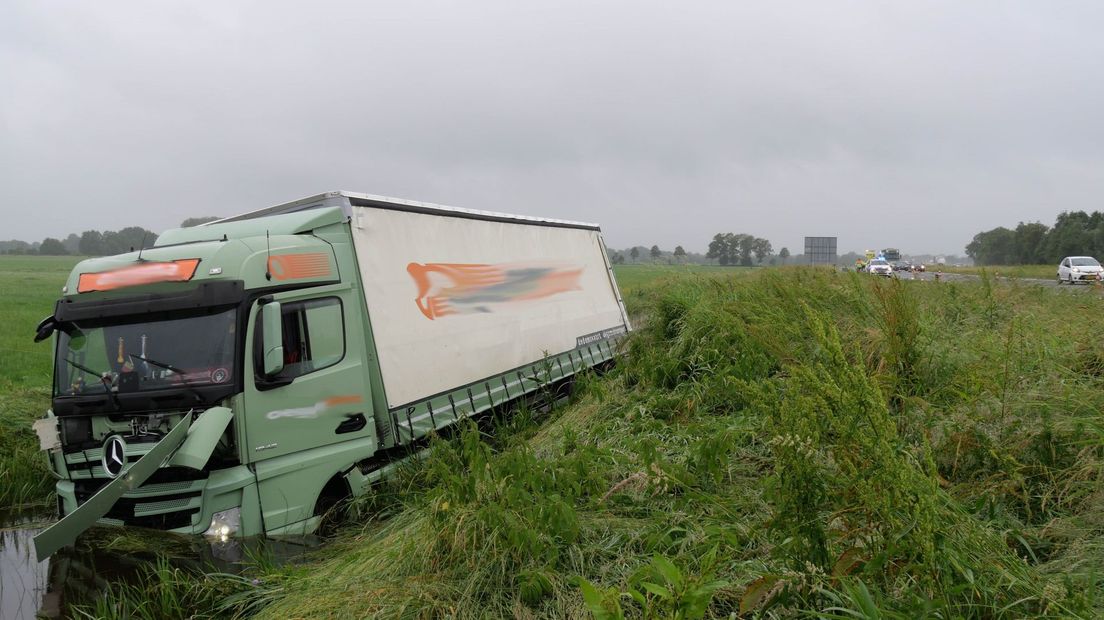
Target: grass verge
column 27, row 481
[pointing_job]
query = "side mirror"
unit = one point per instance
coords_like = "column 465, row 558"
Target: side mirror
column 45, row 328
column 272, row 338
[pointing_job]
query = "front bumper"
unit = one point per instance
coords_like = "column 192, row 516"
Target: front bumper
column 175, row 499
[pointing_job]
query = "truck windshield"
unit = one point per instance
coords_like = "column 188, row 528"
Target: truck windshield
column 147, row 355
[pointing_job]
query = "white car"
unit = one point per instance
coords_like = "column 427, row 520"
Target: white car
column 880, row 267
column 1079, row 269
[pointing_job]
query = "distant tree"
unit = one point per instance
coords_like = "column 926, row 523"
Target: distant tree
column 680, row 254
column 722, row 248
column 992, row 247
column 1028, row 242
column 118, row 242
column 1072, row 235
column 91, row 243
column 634, row 253
column 655, row 252
column 196, row 221
column 618, row 258
column 14, row 246
column 52, row 247
column 72, row 243
column 762, row 249
column 784, row 253
column 95, row 243
column 746, row 243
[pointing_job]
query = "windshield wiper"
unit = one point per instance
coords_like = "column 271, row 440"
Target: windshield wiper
column 101, row 376
column 86, row 369
column 183, row 374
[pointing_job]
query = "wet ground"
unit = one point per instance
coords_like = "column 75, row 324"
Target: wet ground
column 76, row 575
column 23, row 579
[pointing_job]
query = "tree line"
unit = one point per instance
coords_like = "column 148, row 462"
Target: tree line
column 737, row 249
column 93, row 242
column 1075, row 233
column 725, row 249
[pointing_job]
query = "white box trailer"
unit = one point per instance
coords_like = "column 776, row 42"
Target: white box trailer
column 455, row 298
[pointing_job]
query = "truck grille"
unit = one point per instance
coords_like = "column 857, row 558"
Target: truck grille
column 164, row 505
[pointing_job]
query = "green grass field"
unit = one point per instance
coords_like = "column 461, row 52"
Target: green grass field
column 631, row 278
column 779, row 443
column 29, row 285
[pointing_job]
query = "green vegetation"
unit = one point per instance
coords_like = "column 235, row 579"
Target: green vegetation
column 28, row 285
column 1075, row 233
column 737, row 249
column 784, row 441
column 773, row 443
column 631, row 278
column 27, row 481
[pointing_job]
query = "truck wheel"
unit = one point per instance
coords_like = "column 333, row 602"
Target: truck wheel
column 332, row 501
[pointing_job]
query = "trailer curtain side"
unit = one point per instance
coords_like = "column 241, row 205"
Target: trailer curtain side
column 453, row 300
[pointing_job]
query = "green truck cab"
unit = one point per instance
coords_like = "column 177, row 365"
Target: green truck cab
column 238, row 378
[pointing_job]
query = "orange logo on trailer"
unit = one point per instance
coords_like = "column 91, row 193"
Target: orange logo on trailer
column 299, row 266
column 134, row 275
column 454, row 288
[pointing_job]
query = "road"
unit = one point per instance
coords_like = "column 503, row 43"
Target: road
column 961, row 277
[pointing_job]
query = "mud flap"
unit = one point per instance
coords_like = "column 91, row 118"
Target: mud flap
column 191, row 444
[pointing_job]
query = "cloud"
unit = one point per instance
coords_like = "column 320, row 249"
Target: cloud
column 914, row 125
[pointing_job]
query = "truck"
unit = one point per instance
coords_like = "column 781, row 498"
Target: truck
column 241, row 377
column 891, row 254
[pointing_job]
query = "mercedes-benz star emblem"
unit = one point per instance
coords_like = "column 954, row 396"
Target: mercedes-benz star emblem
column 114, row 455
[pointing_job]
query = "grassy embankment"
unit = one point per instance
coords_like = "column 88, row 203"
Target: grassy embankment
column 28, row 287
column 1045, row 272
column 787, row 441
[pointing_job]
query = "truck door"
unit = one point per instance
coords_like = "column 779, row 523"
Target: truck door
column 321, row 395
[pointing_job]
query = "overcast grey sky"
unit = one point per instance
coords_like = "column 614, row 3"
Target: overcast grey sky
column 912, row 124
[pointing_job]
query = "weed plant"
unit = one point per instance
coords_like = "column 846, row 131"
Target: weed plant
column 784, row 443
column 26, row 484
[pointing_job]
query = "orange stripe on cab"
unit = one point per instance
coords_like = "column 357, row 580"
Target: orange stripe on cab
column 134, row 275
column 297, row 266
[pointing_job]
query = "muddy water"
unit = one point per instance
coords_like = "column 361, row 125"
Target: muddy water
column 104, row 556
column 23, row 579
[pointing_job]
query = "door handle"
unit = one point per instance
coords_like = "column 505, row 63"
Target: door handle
column 352, row 423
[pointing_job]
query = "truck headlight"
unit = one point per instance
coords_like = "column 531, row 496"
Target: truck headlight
column 224, row 524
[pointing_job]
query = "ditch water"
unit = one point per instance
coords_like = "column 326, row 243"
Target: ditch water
column 103, row 556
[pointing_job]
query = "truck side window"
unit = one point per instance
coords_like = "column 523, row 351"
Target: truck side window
column 314, row 336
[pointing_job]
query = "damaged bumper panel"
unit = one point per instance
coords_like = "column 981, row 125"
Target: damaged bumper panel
column 167, row 505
